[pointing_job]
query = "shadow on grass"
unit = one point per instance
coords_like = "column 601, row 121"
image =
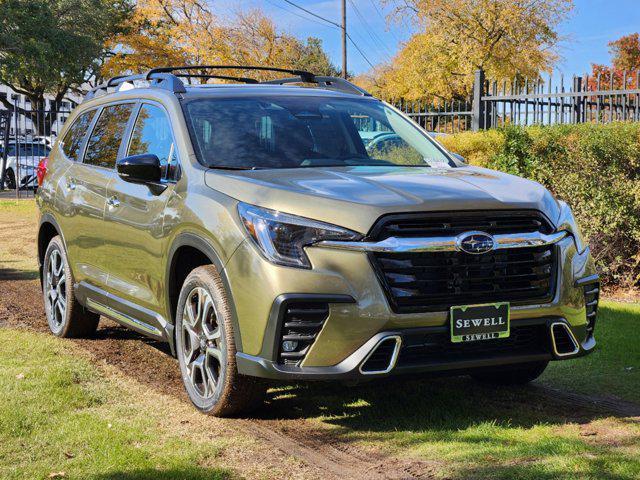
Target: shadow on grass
column 15, row 274
column 470, row 430
column 186, row 473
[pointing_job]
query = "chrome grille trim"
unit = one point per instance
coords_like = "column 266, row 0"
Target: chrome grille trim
column 443, row 244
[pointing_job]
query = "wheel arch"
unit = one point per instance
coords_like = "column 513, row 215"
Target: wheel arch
column 47, row 229
column 189, row 251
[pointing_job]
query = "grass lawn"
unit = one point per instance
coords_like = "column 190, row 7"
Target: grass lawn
column 60, row 415
column 17, row 239
column 614, row 368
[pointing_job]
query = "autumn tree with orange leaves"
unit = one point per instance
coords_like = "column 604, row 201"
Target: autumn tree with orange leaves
column 188, row 32
column 505, row 38
column 625, row 65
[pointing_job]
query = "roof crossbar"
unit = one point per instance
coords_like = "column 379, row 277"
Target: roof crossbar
column 306, row 76
column 221, row 77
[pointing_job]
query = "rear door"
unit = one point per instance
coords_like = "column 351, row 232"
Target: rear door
column 88, row 182
column 135, row 218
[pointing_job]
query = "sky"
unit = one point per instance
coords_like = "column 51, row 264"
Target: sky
column 591, row 26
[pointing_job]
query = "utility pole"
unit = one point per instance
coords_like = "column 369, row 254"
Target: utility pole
column 344, row 38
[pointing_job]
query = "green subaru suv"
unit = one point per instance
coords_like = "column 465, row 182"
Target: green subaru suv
column 271, row 231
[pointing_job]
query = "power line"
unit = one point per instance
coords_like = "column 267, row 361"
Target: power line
column 360, row 51
column 299, row 16
column 335, row 25
column 377, row 41
column 312, row 14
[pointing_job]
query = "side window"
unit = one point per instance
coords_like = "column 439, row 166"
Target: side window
column 105, row 139
column 152, row 134
column 72, row 141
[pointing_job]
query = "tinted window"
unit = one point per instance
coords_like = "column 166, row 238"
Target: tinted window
column 72, row 141
column 105, row 139
column 152, row 134
column 290, row 132
column 33, row 150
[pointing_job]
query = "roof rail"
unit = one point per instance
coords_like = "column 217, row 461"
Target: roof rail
column 165, row 78
column 329, row 83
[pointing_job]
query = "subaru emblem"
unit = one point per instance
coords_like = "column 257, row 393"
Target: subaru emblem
column 475, row 242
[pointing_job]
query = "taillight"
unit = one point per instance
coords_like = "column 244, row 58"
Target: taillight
column 41, row 171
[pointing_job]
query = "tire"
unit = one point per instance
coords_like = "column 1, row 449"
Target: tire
column 65, row 316
column 518, row 374
column 206, row 349
column 10, row 179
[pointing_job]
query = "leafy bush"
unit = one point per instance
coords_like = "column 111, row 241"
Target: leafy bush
column 595, row 168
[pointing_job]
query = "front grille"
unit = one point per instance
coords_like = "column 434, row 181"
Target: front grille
column 443, row 224
column 430, row 348
column 435, row 281
column 301, row 324
column 591, row 297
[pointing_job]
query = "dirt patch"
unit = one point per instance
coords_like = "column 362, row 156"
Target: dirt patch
column 317, row 451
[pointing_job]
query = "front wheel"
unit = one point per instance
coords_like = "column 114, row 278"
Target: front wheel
column 518, row 374
column 206, row 348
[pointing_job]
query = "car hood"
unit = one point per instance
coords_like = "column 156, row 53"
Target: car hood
column 355, row 197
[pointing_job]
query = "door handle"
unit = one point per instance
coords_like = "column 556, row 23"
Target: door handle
column 113, row 202
column 71, row 184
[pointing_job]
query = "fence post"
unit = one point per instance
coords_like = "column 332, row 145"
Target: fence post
column 477, row 105
column 577, row 101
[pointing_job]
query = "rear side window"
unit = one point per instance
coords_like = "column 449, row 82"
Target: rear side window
column 152, row 134
column 72, row 141
column 105, row 139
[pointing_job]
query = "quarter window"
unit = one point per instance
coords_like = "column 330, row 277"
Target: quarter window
column 104, row 142
column 152, row 135
column 72, row 141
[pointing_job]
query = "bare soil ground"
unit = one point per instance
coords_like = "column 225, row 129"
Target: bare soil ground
column 279, row 430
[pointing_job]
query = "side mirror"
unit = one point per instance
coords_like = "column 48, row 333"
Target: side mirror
column 143, row 169
column 458, row 157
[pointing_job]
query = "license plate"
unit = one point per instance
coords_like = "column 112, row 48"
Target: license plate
column 471, row 323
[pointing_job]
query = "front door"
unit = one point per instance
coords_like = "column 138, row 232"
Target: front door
column 135, row 218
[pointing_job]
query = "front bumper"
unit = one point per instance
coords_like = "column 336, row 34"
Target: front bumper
column 361, row 316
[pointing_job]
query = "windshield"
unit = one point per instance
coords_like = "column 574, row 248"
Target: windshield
column 306, row 131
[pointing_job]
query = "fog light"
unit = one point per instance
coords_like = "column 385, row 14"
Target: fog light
column 289, row 345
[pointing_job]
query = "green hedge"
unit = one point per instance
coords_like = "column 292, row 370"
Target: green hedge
column 595, row 168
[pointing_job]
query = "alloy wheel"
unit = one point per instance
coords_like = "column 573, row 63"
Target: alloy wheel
column 202, row 343
column 56, row 291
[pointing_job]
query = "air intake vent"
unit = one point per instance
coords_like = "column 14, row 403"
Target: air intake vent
column 383, row 356
column 301, row 324
column 564, row 343
column 591, row 298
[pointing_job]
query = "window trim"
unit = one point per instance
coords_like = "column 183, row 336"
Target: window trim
column 84, row 139
column 141, row 103
column 101, row 109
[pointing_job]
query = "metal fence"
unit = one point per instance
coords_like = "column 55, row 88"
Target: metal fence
column 604, row 98
column 29, row 135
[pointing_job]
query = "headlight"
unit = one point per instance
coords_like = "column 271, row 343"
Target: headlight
column 282, row 237
column 567, row 222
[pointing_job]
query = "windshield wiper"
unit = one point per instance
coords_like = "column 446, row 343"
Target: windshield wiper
column 230, row 167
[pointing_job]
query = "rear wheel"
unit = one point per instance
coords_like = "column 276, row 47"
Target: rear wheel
column 65, row 316
column 206, row 348
column 518, row 374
